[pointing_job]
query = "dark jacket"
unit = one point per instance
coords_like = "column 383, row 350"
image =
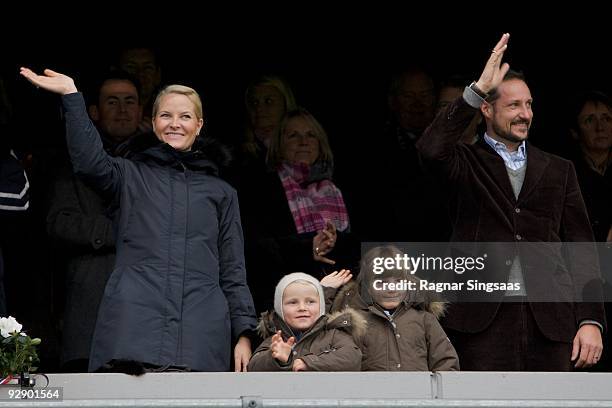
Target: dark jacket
column 273, row 245
column 14, row 198
column 411, row 339
column 330, row 345
column 408, row 204
column 81, row 223
column 483, row 208
column 597, row 192
column 178, row 292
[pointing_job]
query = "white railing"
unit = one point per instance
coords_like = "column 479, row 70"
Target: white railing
column 371, row 389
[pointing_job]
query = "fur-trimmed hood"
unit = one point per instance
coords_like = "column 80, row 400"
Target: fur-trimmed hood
column 207, row 153
column 389, row 342
column 420, row 299
column 347, row 319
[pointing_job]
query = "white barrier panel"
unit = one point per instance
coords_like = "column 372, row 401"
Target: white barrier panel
column 525, row 386
column 232, row 385
column 362, row 389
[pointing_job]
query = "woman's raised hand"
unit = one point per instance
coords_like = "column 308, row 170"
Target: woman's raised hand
column 51, row 81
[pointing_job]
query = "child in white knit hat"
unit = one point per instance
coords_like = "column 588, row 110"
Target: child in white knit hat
column 299, row 336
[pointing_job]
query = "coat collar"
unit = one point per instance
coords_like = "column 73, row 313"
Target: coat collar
column 420, row 299
column 347, row 319
column 165, row 154
column 537, row 162
column 495, row 167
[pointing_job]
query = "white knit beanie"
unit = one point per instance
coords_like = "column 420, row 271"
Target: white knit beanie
column 288, row 280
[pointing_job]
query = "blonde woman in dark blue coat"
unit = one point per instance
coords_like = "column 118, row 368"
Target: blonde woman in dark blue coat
column 178, row 295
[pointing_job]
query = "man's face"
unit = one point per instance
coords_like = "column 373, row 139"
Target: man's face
column 266, row 107
column 141, row 63
column 595, row 127
column 509, row 117
column 414, row 102
column 118, row 112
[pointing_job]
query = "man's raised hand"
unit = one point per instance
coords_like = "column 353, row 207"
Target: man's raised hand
column 494, row 71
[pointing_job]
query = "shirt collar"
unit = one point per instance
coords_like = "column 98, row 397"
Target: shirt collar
column 497, row 146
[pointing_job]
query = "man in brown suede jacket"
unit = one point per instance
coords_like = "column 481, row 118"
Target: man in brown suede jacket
column 505, row 190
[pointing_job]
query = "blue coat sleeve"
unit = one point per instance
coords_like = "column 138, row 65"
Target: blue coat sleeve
column 89, row 160
column 232, row 268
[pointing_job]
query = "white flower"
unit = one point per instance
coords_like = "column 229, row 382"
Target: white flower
column 8, row 326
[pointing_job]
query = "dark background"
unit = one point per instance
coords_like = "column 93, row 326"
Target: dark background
column 338, row 67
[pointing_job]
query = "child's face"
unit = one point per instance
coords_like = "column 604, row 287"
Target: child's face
column 389, row 298
column 301, row 305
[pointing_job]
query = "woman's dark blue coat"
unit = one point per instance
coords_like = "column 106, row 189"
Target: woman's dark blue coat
column 178, row 292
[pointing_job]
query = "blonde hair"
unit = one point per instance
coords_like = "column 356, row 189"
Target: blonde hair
column 250, row 143
column 190, row 93
column 275, row 151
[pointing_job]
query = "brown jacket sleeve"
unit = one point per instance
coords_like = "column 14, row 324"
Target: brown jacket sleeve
column 439, row 144
column 441, row 354
column 342, row 355
column 330, row 294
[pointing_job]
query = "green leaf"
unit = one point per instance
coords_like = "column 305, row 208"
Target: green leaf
column 18, row 354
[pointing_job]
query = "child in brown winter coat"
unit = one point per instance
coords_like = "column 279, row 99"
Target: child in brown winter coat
column 403, row 330
column 299, row 336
